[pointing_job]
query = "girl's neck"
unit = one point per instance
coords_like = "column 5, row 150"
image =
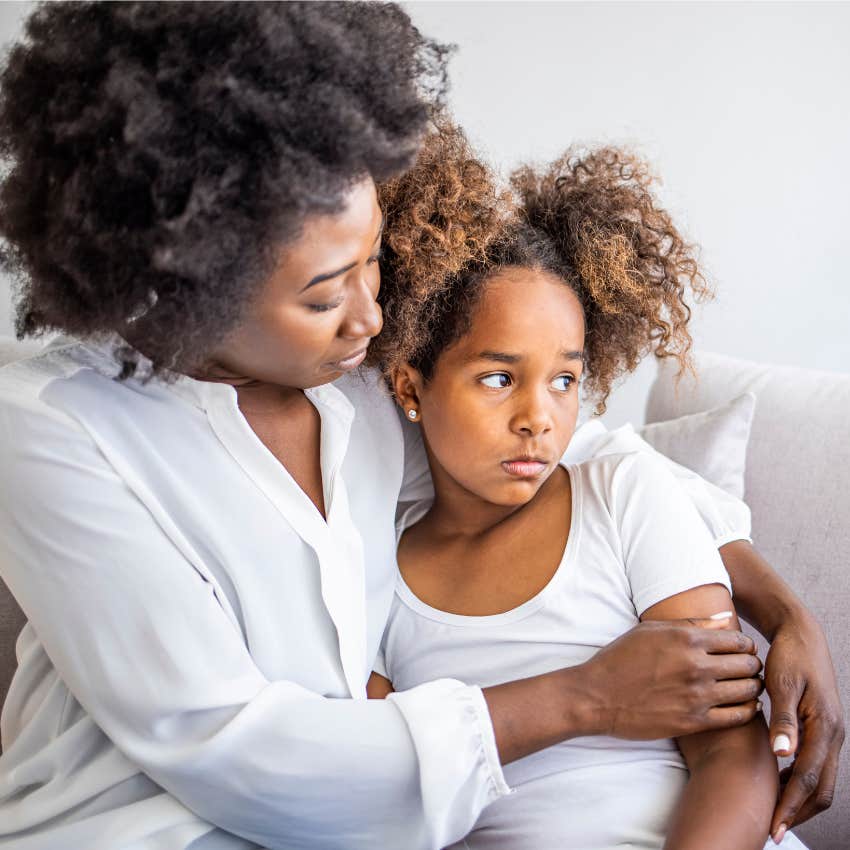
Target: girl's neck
column 458, row 514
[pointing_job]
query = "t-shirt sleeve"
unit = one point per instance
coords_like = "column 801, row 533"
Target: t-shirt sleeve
column 666, row 547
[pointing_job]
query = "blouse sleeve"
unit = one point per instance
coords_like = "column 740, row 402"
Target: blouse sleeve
column 666, row 549
column 147, row 649
column 726, row 517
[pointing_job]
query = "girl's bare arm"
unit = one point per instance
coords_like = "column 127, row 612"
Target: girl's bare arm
column 734, row 780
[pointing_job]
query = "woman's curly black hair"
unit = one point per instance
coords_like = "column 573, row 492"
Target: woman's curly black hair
column 158, row 155
column 589, row 218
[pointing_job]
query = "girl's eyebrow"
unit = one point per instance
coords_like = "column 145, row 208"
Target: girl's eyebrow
column 498, row 356
column 503, row 357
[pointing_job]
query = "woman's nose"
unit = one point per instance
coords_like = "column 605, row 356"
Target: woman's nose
column 364, row 319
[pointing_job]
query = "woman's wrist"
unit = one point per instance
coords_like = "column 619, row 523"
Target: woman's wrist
column 762, row 598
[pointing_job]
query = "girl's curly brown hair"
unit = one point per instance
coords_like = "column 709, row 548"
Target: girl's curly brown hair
column 589, row 218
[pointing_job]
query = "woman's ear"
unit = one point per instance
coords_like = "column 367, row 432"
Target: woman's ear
column 407, row 385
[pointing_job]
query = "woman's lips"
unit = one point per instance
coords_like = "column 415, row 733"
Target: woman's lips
column 525, row 468
column 351, row 362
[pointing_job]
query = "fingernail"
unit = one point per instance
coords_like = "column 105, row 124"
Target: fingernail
column 781, row 742
column 779, row 834
column 759, row 706
column 723, row 615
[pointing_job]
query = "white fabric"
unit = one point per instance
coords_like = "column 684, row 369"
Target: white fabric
column 634, row 540
column 713, row 443
column 196, row 631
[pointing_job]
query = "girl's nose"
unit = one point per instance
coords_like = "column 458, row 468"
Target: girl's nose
column 532, row 415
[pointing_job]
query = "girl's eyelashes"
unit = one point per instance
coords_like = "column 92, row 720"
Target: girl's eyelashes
column 501, row 380
column 376, row 257
column 497, row 380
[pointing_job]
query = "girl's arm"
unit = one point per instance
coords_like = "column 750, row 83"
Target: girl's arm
column 379, row 687
column 732, row 789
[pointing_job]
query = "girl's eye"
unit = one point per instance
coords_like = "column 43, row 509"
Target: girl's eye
column 376, row 257
column 498, row 380
column 562, row 382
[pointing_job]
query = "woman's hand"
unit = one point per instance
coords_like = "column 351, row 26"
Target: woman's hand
column 805, row 706
column 800, row 680
column 658, row 680
column 669, row 679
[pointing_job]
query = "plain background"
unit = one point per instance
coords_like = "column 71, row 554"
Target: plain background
column 744, row 110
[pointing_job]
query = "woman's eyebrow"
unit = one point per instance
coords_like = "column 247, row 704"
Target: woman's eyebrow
column 321, row 278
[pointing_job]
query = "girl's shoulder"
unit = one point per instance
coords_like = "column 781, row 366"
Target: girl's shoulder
column 617, row 481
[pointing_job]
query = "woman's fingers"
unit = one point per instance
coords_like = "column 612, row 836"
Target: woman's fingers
column 738, row 666
column 732, row 715
column 809, row 783
column 735, row 691
column 786, row 691
column 715, row 636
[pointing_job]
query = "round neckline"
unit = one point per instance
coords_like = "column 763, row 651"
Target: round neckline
column 527, row 608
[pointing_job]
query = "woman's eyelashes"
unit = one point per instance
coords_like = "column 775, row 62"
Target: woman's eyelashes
column 323, row 308
column 502, row 380
column 332, row 305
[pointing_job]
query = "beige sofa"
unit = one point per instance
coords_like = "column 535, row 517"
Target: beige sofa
column 797, row 484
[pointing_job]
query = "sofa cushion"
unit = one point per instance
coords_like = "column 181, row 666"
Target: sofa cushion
column 797, row 483
column 712, row 443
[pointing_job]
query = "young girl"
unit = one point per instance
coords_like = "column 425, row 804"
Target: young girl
column 523, row 564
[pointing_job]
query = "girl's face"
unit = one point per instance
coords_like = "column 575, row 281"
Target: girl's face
column 313, row 319
column 502, row 404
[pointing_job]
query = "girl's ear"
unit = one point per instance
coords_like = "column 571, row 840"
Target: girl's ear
column 407, row 385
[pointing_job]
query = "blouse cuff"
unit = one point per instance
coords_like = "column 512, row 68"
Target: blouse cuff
column 459, row 768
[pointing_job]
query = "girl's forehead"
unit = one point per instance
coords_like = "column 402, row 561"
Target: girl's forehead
column 522, row 309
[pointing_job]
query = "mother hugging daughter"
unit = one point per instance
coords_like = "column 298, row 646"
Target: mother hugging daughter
column 198, row 489
column 526, row 560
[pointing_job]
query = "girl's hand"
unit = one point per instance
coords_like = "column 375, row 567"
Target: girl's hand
column 800, row 680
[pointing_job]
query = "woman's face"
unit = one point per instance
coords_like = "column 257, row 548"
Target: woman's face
column 313, row 319
column 502, row 404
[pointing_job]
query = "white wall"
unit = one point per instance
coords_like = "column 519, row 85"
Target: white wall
column 745, row 110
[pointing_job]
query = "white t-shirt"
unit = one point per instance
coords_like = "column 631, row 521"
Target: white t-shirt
column 634, row 540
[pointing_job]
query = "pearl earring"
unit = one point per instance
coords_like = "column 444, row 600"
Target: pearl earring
column 412, row 414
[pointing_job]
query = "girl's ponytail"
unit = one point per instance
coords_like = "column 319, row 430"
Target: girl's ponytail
column 622, row 254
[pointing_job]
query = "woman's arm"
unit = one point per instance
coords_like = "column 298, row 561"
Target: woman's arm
column 799, row 676
column 732, row 788
column 800, row 680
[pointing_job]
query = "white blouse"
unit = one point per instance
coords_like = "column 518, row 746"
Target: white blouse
column 192, row 673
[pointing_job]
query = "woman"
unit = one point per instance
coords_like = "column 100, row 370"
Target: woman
column 203, row 549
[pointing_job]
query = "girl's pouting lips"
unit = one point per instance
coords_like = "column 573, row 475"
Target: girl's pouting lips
column 525, row 467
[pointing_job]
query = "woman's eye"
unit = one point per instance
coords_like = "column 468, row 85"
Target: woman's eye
column 323, row 308
column 497, row 381
column 375, row 258
column 562, row 382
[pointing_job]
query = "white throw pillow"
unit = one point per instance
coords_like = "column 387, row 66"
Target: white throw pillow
column 712, row 443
